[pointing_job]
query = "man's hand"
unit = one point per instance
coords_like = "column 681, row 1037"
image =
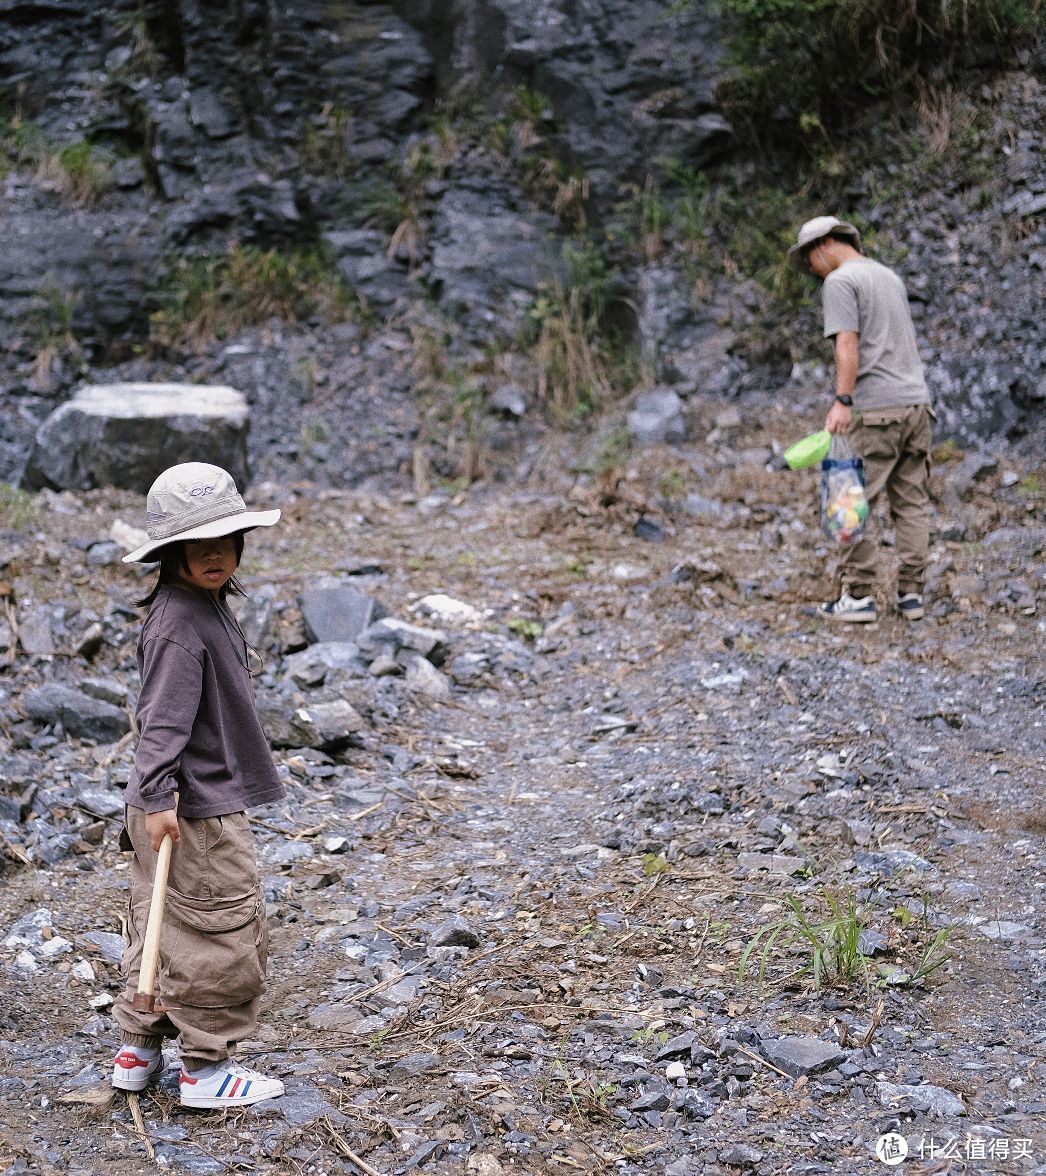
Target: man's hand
column 839, row 418
column 158, row 825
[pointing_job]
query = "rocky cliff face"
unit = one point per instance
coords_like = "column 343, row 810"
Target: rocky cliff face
column 442, row 153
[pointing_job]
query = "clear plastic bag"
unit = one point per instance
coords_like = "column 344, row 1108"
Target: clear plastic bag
column 844, row 504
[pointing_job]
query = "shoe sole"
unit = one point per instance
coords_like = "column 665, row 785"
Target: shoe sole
column 912, row 614
column 139, row 1084
column 850, row 618
column 229, row 1104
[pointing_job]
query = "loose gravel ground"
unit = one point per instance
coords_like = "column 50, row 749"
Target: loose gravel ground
column 508, row 924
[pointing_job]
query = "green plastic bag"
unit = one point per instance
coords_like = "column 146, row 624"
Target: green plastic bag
column 809, row 451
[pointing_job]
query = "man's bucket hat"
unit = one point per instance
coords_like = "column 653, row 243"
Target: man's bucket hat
column 195, row 501
column 814, row 230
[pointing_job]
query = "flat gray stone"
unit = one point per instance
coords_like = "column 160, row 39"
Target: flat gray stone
column 740, row 1155
column 422, row 677
column 658, row 417
column 337, row 612
column 28, row 931
column 391, row 631
column 933, row 1100
column 311, row 666
column 82, row 716
column 335, row 1016
column 454, row 932
column 799, row 1056
column 110, row 945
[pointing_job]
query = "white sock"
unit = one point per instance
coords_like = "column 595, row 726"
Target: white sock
column 144, row 1053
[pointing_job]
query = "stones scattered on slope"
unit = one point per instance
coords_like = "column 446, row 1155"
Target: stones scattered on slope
column 510, row 927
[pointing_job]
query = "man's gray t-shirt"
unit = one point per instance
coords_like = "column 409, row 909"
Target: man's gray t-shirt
column 864, row 296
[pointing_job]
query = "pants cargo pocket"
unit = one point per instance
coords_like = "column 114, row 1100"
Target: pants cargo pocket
column 214, row 956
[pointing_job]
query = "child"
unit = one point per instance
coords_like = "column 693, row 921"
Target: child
column 201, row 748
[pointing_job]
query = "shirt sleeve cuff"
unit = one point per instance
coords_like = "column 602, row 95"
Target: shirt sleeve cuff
column 159, row 802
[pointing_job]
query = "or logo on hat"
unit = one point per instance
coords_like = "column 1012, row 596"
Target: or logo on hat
column 200, row 491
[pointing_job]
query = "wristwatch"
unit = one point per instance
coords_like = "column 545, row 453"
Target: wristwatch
column 847, row 400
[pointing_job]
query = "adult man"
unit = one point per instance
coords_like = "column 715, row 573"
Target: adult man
column 882, row 402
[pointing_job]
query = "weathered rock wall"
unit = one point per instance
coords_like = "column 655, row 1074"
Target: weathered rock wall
column 252, row 122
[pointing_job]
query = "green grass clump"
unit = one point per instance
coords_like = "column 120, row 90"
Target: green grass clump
column 831, row 946
column 584, row 361
column 207, row 298
column 18, row 510
column 80, row 171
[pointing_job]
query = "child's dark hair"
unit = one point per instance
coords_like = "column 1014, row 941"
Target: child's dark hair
column 173, row 561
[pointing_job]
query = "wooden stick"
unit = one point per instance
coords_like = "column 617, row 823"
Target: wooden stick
column 341, row 1145
column 139, row 1123
column 143, row 999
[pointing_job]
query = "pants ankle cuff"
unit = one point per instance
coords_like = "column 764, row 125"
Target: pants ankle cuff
column 143, row 1040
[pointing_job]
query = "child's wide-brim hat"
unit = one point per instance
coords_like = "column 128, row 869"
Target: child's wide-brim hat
column 195, row 501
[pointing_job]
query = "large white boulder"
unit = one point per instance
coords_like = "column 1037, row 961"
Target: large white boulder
column 126, row 434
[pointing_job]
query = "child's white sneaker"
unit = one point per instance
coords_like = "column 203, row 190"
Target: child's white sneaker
column 227, row 1085
column 135, row 1068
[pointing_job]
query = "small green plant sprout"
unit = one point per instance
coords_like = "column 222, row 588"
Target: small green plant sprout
column 903, row 915
column 589, row 1097
column 832, row 944
column 654, row 864
column 376, row 1043
column 934, row 956
column 672, row 484
column 324, row 146
column 526, row 627
column 650, row 1036
column 315, row 436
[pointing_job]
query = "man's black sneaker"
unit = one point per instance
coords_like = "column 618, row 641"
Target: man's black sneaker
column 910, row 606
column 848, row 608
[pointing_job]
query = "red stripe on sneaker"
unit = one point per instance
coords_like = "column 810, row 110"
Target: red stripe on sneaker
column 235, row 1087
column 130, row 1061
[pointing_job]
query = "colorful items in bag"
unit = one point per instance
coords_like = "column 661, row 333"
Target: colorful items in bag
column 844, row 504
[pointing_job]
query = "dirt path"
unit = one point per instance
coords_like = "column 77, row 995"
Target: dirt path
column 500, row 919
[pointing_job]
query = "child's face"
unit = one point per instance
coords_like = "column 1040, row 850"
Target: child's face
column 212, row 562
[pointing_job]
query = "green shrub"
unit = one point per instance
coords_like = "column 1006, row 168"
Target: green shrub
column 803, row 68
column 83, row 170
column 212, row 297
column 324, row 146
column 80, row 170
column 23, row 143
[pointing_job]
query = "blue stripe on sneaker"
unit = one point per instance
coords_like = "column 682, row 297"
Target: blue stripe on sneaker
column 221, row 1089
column 243, row 1093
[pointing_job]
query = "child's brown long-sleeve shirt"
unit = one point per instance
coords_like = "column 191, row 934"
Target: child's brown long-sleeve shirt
column 200, row 735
